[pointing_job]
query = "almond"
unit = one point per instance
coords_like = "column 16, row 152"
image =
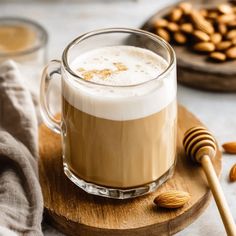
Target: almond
column 176, row 14
column 172, row 199
column 180, row 38
column 230, row 147
column 232, row 24
column 200, row 35
column 163, row 34
column 231, row 54
column 186, row 7
column 204, row 47
column 226, row 18
column 233, row 41
column 232, row 173
column 221, row 46
column 216, row 38
column 231, row 34
column 203, row 12
column 159, row 23
column 201, row 23
column 186, row 28
column 218, row 56
column 173, row 27
column 222, row 28
column 225, row 8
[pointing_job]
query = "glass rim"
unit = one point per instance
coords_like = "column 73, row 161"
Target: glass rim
column 39, row 28
column 85, row 36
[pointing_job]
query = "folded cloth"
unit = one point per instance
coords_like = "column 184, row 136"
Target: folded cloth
column 21, row 202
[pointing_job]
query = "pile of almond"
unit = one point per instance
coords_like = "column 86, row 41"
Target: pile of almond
column 209, row 31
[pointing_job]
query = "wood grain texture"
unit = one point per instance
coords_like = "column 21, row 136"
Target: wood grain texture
column 195, row 70
column 74, row 212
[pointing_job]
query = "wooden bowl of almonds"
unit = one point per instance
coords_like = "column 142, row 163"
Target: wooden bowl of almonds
column 204, row 39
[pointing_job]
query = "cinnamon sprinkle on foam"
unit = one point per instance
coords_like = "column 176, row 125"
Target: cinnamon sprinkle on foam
column 120, row 66
column 104, row 73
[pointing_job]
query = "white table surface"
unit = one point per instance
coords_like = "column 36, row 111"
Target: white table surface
column 65, row 20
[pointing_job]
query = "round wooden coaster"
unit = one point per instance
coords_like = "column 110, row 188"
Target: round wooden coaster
column 195, row 70
column 74, row 212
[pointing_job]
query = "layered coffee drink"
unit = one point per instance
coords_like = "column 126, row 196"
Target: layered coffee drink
column 119, row 120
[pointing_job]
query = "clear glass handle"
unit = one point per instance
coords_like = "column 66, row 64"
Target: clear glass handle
column 54, row 67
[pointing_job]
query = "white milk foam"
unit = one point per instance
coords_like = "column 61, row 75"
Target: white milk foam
column 126, row 65
column 139, row 65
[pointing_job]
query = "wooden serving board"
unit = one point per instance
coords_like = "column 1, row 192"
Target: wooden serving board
column 194, row 69
column 74, row 212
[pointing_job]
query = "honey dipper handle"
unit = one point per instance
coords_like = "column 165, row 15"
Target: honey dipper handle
column 218, row 194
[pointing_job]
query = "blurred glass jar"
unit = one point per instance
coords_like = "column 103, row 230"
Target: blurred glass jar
column 25, row 42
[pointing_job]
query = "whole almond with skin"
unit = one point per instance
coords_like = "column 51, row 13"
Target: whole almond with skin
column 186, row 7
column 232, row 24
column 222, row 28
column 221, row 46
column 233, row 41
column 226, row 18
column 201, row 23
column 173, row 27
column 176, row 14
column 230, row 147
column 203, row 12
column 225, row 8
column 163, row 34
column 232, row 173
column 231, row 34
column 186, row 28
column 159, row 23
column 204, row 47
column 172, row 199
column 216, row 38
column 180, row 38
column 200, row 35
column 231, row 53
column 218, row 56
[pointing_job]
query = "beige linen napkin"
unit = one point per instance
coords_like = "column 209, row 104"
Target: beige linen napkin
column 21, row 203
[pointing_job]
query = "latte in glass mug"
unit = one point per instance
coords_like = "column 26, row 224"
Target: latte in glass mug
column 119, row 122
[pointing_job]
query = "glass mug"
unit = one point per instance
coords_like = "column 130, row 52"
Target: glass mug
column 118, row 141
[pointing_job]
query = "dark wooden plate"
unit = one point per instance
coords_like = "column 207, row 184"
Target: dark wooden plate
column 195, row 70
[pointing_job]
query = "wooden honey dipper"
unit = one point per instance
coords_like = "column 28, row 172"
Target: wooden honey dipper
column 200, row 146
